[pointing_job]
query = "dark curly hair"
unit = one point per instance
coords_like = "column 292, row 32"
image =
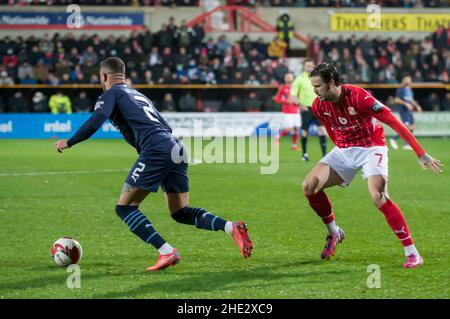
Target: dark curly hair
column 327, row 72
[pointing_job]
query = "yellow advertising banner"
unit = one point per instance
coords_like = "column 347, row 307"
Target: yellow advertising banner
column 388, row 22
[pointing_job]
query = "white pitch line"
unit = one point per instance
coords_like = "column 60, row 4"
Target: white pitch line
column 80, row 172
column 65, row 172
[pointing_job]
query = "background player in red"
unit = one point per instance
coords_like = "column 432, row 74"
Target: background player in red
column 290, row 112
column 350, row 117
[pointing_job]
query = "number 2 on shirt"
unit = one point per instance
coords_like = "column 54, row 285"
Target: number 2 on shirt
column 148, row 107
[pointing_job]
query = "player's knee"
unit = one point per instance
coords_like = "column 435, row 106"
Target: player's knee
column 378, row 198
column 309, row 187
column 182, row 215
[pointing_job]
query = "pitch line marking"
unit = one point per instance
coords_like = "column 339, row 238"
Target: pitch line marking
column 79, row 172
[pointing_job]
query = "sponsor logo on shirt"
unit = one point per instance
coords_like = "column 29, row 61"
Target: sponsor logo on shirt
column 343, row 120
column 98, row 105
column 377, row 106
column 351, row 110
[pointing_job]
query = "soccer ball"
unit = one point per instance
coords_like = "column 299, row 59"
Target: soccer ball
column 66, row 251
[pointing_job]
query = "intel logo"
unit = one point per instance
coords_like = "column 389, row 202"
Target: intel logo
column 6, row 127
column 58, row 127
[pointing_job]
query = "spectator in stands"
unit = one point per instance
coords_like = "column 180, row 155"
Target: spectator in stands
column 52, row 80
column 148, row 77
column 252, row 80
column 198, row 35
column 62, row 67
column 183, row 36
column 5, row 79
column 168, row 104
column 445, row 106
column 187, row 103
column 261, row 46
column 153, row 56
column 165, row 37
column 222, row 45
column 25, row 70
column 277, row 48
column 2, row 105
column 234, row 104
column 40, row 72
column 60, row 103
column 252, row 103
column 89, row 68
column 285, row 28
column 18, row 103
column 82, row 103
column 39, row 103
column 146, row 38
column 432, row 102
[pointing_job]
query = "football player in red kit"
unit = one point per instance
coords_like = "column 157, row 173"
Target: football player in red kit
column 290, row 110
column 350, row 116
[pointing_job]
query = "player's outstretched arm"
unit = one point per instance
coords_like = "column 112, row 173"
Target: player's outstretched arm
column 84, row 132
column 103, row 109
column 425, row 160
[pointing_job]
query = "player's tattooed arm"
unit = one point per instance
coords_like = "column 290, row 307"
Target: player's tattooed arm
column 432, row 163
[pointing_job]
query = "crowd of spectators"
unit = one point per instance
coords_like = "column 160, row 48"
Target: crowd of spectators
column 264, row 3
column 342, row 3
column 167, row 3
column 176, row 54
column 384, row 60
column 172, row 55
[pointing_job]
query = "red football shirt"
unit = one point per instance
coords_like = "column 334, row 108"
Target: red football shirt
column 282, row 97
column 352, row 121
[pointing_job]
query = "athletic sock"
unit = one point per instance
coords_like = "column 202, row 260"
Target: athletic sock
column 411, row 249
column 284, row 133
column 304, row 141
column 165, row 249
column 322, row 206
column 396, row 221
column 333, row 228
column 295, row 139
column 200, row 218
column 229, row 228
column 323, row 144
column 139, row 225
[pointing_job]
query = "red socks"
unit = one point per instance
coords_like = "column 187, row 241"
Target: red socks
column 294, row 136
column 295, row 139
column 322, row 206
column 284, row 133
column 397, row 222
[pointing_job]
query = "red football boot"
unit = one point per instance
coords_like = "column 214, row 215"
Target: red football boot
column 413, row 261
column 331, row 241
column 240, row 237
column 165, row 261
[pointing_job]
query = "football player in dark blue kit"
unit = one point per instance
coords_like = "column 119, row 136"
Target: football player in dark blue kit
column 162, row 162
column 404, row 98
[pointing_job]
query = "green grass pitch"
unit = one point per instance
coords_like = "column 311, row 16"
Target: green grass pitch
column 288, row 237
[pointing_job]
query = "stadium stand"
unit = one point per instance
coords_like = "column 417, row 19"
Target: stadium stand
column 263, row 3
column 180, row 55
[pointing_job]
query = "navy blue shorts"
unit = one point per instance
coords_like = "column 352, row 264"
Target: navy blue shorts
column 407, row 117
column 161, row 167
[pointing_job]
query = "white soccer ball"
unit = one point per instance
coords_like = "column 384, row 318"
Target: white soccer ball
column 66, row 251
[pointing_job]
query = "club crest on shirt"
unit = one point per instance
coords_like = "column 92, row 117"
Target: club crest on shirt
column 343, row 120
column 98, row 105
column 351, row 110
column 377, row 106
